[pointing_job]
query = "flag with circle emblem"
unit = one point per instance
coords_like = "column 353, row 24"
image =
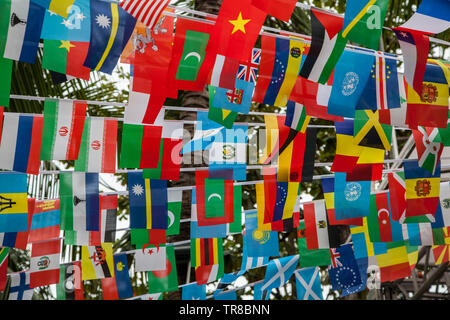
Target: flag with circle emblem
column 164, row 280
column 44, row 263
column 259, row 243
column 119, row 286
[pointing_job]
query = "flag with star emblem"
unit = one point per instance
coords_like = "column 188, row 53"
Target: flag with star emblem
column 111, row 28
column 62, row 129
column 308, row 284
column 66, row 57
column 60, row 7
column 279, row 271
column 369, row 132
column 21, row 40
column 382, row 228
column 428, row 151
column 148, row 202
column 119, row 286
column 150, row 258
column 280, row 64
column 382, row 89
column 98, row 146
column 44, row 263
column 97, row 262
column 363, row 21
column 345, row 274
column 14, row 204
column 236, row 29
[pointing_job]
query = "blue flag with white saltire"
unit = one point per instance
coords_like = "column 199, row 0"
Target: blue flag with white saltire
column 308, row 284
column 344, row 274
column 279, row 271
column 193, row 291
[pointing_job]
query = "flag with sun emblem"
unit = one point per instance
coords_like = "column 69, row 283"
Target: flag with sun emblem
column 148, row 202
column 111, row 28
column 345, row 274
column 259, row 243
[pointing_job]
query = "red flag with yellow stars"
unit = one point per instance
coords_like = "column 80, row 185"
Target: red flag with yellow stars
column 236, row 30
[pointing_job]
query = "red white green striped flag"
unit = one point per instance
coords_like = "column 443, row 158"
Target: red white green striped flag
column 63, row 128
column 98, row 146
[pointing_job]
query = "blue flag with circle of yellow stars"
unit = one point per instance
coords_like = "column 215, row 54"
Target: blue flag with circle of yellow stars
column 344, row 271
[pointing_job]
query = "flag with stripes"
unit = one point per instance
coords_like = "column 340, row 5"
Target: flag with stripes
column 205, row 252
column 45, row 220
column 70, row 285
column 3, row 267
column 44, row 263
column 146, row 11
column 119, row 286
column 97, row 262
column 63, row 129
column 13, row 202
column 248, row 70
column 21, row 143
column 316, row 225
column 296, row 117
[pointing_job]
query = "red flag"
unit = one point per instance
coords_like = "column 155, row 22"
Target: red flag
column 236, row 30
column 44, row 263
column 384, row 220
column 4, row 252
column 397, row 195
column 224, row 72
column 281, row 9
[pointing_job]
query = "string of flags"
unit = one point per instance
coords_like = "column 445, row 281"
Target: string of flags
column 359, row 90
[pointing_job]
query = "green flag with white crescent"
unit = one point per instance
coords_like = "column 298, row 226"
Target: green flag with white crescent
column 193, row 55
column 214, row 198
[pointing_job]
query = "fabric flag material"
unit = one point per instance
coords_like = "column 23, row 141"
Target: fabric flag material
column 118, row 287
column 350, row 78
column 60, row 7
column 363, row 22
column 5, row 82
column 193, row 291
column 238, row 100
column 382, row 89
column 79, row 196
column 14, row 204
column 430, row 106
column 428, row 151
column 17, row 240
column 164, row 280
column 351, row 198
column 397, row 195
column 422, row 189
column 70, row 285
column 310, row 258
column 138, row 146
column 316, row 225
column 22, row 37
column 20, row 286
column 279, row 271
column 362, row 246
column 257, row 242
column 346, row 273
column 206, row 252
column 382, row 228
column 45, row 221
column 430, row 17
column 208, row 273
column 150, row 259
column 66, row 57
column 148, row 202
column 327, row 45
column 396, row 117
column 296, row 117
column 394, row 264
column 21, row 142
column 415, row 46
column 98, row 146
column 369, row 132
column 111, row 28
column 249, row 262
column 236, row 29
column 228, row 154
column 308, row 284
column 444, row 196
column 280, row 9
column 205, row 132
column 97, row 262
column 148, row 12
column 347, row 152
column 63, row 128
column 279, row 68
column 223, row 117
column 223, row 72
column 44, row 263
column 3, row 267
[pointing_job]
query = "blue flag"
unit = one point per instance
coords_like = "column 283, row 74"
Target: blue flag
column 193, row 291
column 229, row 295
column 76, row 27
column 251, row 262
column 205, row 133
column 350, row 78
column 279, row 271
column 308, row 284
column 351, row 198
column 13, row 202
column 238, row 100
column 259, row 243
column 362, row 267
column 344, row 274
column 122, row 277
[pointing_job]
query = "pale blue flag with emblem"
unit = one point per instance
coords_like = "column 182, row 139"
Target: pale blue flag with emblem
column 259, row 243
column 351, row 198
column 193, row 291
column 350, row 78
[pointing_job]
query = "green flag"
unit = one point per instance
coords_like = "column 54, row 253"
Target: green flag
column 214, row 198
column 193, row 55
column 165, row 280
column 221, row 116
column 5, row 64
column 313, row 257
column 363, row 21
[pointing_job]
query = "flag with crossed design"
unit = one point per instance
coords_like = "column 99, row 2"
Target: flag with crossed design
column 428, row 151
column 344, row 273
column 279, row 271
column 308, row 284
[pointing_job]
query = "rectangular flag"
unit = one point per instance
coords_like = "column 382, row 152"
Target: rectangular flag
column 45, row 220
column 223, row 73
column 111, row 28
column 193, row 292
column 394, row 264
column 164, row 280
column 296, row 117
column 21, row 40
column 119, row 286
column 279, row 271
column 313, row 257
column 279, row 68
column 430, row 17
column 205, row 252
column 79, row 201
column 13, row 202
column 60, row 7
column 259, row 243
column 20, row 286
column 351, row 198
column 347, row 152
column 382, row 228
column 44, row 263
column 369, row 132
column 316, row 225
column 148, row 11
column 70, row 285
column 363, row 21
column 308, row 284
column 63, row 129
column 150, row 258
column 98, row 146
column 3, row 267
column 97, row 262
column 148, row 202
column 344, row 273
column 280, row 9
column 422, row 189
column 237, row 99
column 21, row 142
column 428, row 151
